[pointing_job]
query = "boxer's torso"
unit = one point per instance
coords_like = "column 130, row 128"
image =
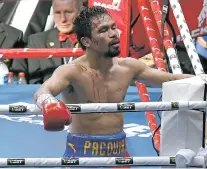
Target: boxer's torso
column 92, row 86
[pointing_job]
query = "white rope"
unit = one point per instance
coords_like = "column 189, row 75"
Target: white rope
column 29, row 109
column 91, row 162
column 187, row 39
column 171, row 53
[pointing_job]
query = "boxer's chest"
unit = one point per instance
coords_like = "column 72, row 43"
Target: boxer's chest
column 98, row 88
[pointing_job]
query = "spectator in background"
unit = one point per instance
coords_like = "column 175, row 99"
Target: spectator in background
column 10, row 37
column 29, row 16
column 183, row 59
column 39, row 70
column 201, row 47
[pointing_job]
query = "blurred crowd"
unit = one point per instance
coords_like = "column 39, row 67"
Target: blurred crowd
column 48, row 24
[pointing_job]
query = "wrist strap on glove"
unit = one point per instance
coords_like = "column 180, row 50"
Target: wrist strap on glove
column 45, row 99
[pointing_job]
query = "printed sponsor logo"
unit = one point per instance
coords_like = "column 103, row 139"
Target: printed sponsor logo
column 131, row 129
column 175, row 105
column 17, row 109
column 202, row 21
column 15, row 161
column 74, row 108
column 114, row 6
column 70, row 161
column 116, row 3
column 195, row 33
column 172, row 160
column 172, row 57
column 126, row 106
column 202, row 16
column 176, row 66
column 124, row 161
column 137, row 130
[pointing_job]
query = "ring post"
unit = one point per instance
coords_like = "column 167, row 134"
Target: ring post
column 183, row 129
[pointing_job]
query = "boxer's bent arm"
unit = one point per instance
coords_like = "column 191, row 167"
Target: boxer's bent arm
column 60, row 80
column 152, row 76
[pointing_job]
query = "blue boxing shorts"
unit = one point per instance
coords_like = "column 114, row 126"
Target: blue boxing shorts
column 83, row 145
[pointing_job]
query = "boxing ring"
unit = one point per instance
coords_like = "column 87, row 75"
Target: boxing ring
column 138, row 130
column 24, row 143
column 24, row 136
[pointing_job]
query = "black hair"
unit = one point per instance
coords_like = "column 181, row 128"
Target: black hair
column 84, row 21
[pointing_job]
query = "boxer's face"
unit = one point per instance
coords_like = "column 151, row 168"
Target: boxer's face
column 65, row 12
column 105, row 36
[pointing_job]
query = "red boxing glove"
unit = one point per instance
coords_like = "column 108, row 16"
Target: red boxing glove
column 55, row 113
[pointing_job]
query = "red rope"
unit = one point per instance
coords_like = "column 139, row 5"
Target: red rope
column 151, row 119
column 156, row 9
column 158, row 17
column 40, row 52
column 146, row 16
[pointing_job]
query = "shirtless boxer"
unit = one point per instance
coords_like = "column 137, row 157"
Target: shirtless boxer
column 96, row 77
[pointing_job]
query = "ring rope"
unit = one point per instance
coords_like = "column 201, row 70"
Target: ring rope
column 40, row 53
column 151, row 34
column 94, row 161
column 150, row 116
column 167, row 39
column 187, row 39
column 159, row 63
column 25, row 108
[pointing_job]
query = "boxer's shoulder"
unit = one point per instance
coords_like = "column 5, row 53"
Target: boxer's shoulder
column 68, row 70
column 125, row 62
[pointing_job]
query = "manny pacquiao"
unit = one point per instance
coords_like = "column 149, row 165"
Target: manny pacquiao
column 96, row 77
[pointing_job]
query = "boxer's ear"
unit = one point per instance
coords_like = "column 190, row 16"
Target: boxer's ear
column 85, row 41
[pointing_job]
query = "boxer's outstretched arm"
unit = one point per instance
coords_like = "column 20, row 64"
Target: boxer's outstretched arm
column 60, row 80
column 152, row 76
column 55, row 113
